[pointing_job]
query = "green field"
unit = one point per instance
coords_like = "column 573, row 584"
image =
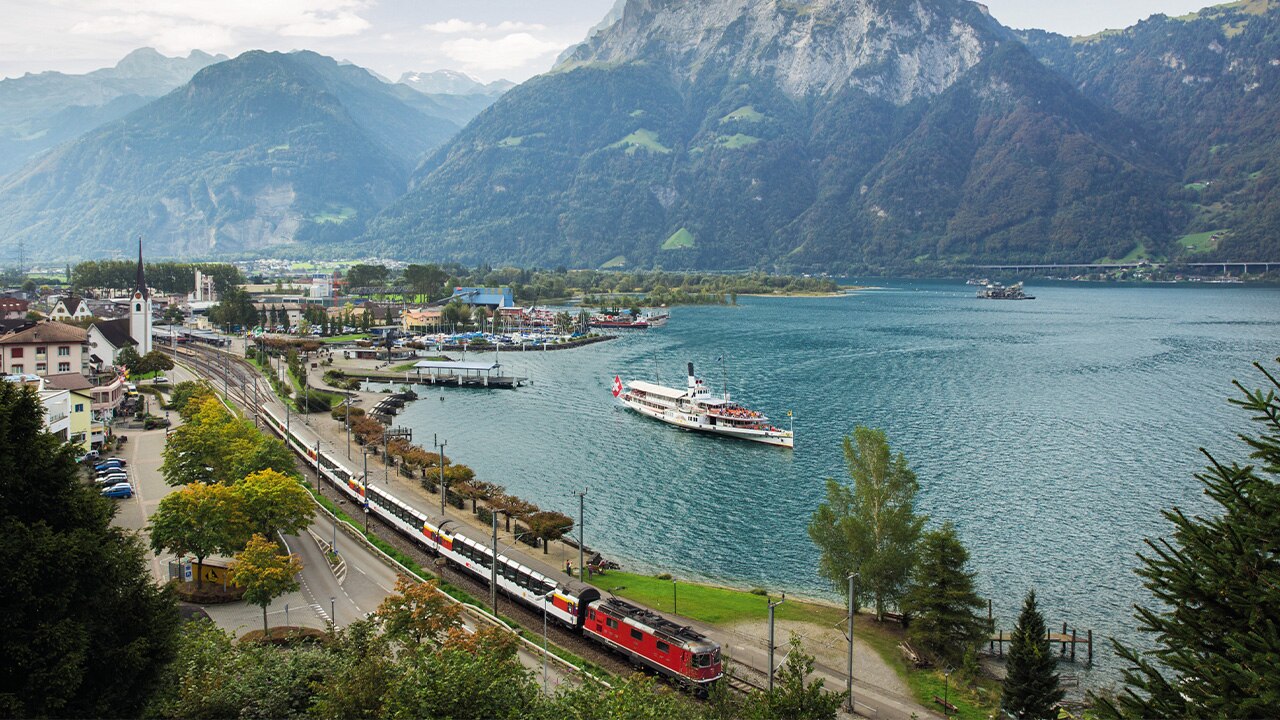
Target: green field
column 617, row 262
column 681, row 238
column 1137, row 254
column 1199, row 242
column 1197, row 186
column 641, row 140
column 345, row 338
column 746, row 113
column 334, row 214
column 736, row 142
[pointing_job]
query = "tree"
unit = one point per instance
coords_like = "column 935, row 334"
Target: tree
column 236, row 309
column 157, row 361
column 200, row 519
column 173, row 315
column 274, row 503
column 129, row 358
column 216, row 446
column 87, row 630
column 512, row 507
column 942, row 607
column 549, row 525
column 872, row 528
column 366, row 276
column 264, row 574
column 794, row 697
column 1030, row 688
column 1217, row 646
column 418, row 613
column 475, row 676
column 475, row 490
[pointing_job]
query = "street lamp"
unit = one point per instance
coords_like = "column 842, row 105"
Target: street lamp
column 364, row 492
column 674, row 604
column 582, row 526
column 440, row 444
column 772, row 605
column 946, row 688
column 545, row 597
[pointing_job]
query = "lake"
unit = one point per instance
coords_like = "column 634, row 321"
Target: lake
column 1051, row 432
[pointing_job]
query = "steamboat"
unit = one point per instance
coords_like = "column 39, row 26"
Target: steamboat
column 696, row 408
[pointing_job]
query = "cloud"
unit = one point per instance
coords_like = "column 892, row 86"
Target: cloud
column 503, row 53
column 458, row 26
column 215, row 24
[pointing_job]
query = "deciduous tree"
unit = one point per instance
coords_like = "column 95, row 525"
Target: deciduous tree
column 200, row 519
column 1030, row 689
column 87, row 630
column 1217, row 583
column 274, row 503
column 548, row 525
column 942, row 606
column 418, row 613
column 265, row 574
column 870, row 528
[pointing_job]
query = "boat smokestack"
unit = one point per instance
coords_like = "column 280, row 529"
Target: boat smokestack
column 690, row 370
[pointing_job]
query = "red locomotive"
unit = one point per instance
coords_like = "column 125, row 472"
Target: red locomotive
column 654, row 641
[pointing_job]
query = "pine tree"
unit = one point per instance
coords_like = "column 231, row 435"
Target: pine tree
column 1031, row 683
column 1217, row 625
column 942, row 607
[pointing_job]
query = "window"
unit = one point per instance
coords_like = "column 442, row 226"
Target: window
column 137, row 307
column 702, row 660
column 64, row 367
column 41, row 349
column 79, row 407
column 663, row 647
column 611, row 623
column 16, row 353
column 636, row 635
column 16, row 369
column 64, row 351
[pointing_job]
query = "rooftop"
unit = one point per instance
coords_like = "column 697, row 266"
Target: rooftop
column 456, row 365
column 46, row 332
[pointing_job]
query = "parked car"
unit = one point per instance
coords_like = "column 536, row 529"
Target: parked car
column 108, row 464
column 112, row 478
column 119, row 490
column 159, row 380
column 89, row 456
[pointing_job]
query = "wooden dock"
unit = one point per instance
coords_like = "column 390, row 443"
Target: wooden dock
column 1064, row 640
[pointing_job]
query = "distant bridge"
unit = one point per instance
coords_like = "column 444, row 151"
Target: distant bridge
column 1243, row 267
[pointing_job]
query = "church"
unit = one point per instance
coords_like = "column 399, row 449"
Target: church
column 108, row 337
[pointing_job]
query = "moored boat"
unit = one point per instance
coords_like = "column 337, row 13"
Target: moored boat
column 696, row 408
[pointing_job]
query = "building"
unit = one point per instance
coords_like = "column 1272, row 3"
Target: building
column 140, row 310
column 205, row 289
column 491, row 298
column 85, row 427
column 44, row 349
column 420, row 321
column 12, row 308
column 67, row 413
column 70, row 308
column 321, row 285
column 107, row 338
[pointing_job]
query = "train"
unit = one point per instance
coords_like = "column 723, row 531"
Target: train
column 643, row 636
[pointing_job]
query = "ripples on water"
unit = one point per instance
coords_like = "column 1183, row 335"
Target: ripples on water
column 1051, row 432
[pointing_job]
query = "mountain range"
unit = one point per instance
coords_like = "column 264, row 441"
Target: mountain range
column 882, row 135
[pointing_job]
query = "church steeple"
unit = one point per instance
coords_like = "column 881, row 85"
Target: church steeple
column 140, row 310
column 141, row 284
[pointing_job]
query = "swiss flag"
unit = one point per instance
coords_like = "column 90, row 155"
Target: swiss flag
column 617, row 386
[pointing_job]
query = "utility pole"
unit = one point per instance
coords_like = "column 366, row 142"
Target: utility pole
column 582, row 521
column 348, row 423
column 493, row 566
column 772, row 605
column 442, row 492
column 319, row 480
column 364, row 492
column 849, row 683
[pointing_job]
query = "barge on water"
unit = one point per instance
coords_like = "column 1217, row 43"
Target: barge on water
column 996, row 291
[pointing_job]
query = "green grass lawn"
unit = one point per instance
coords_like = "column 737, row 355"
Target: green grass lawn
column 336, row 214
column 725, row 606
column 736, row 142
column 745, row 113
column 1197, row 186
column 616, row 262
column 1198, row 242
column 1137, row 254
column 681, row 238
column 345, row 338
column 642, row 140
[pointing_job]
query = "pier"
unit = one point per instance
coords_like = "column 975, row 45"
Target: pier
column 454, row 373
column 1064, row 640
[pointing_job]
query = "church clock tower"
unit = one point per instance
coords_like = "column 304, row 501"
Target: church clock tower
column 140, row 310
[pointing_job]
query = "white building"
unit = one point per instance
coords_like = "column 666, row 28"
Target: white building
column 70, row 308
column 140, row 310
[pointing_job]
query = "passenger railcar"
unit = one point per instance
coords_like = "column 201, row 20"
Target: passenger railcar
column 642, row 635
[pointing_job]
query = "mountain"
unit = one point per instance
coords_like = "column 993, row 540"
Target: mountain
column 452, row 82
column 262, row 150
column 732, row 134
column 40, row 111
column 1207, row 85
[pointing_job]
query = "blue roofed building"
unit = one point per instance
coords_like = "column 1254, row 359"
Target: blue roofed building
column 492, row 298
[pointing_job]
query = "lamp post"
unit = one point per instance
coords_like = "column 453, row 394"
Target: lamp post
column 333, row 616
column 545, row 597
column 364, row 491
column 319, row 480
column 347, row 422
column 493, row 566
column 674, row 604
column 441, row 445
column 772, row 605
column 946, row 691
column 849, row 682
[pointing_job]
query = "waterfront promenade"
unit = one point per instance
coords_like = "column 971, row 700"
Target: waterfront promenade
column 877, row 690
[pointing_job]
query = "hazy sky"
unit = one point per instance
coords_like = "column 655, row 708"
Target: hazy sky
column 488, row 39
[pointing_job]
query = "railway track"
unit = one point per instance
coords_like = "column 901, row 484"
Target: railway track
column 238, row 376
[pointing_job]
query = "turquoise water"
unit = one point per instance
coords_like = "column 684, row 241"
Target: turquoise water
column 1051, row 432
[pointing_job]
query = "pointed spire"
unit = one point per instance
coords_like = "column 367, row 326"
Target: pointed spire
column 141, row 285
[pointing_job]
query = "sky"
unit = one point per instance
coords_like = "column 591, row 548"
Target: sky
column 487, row 39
